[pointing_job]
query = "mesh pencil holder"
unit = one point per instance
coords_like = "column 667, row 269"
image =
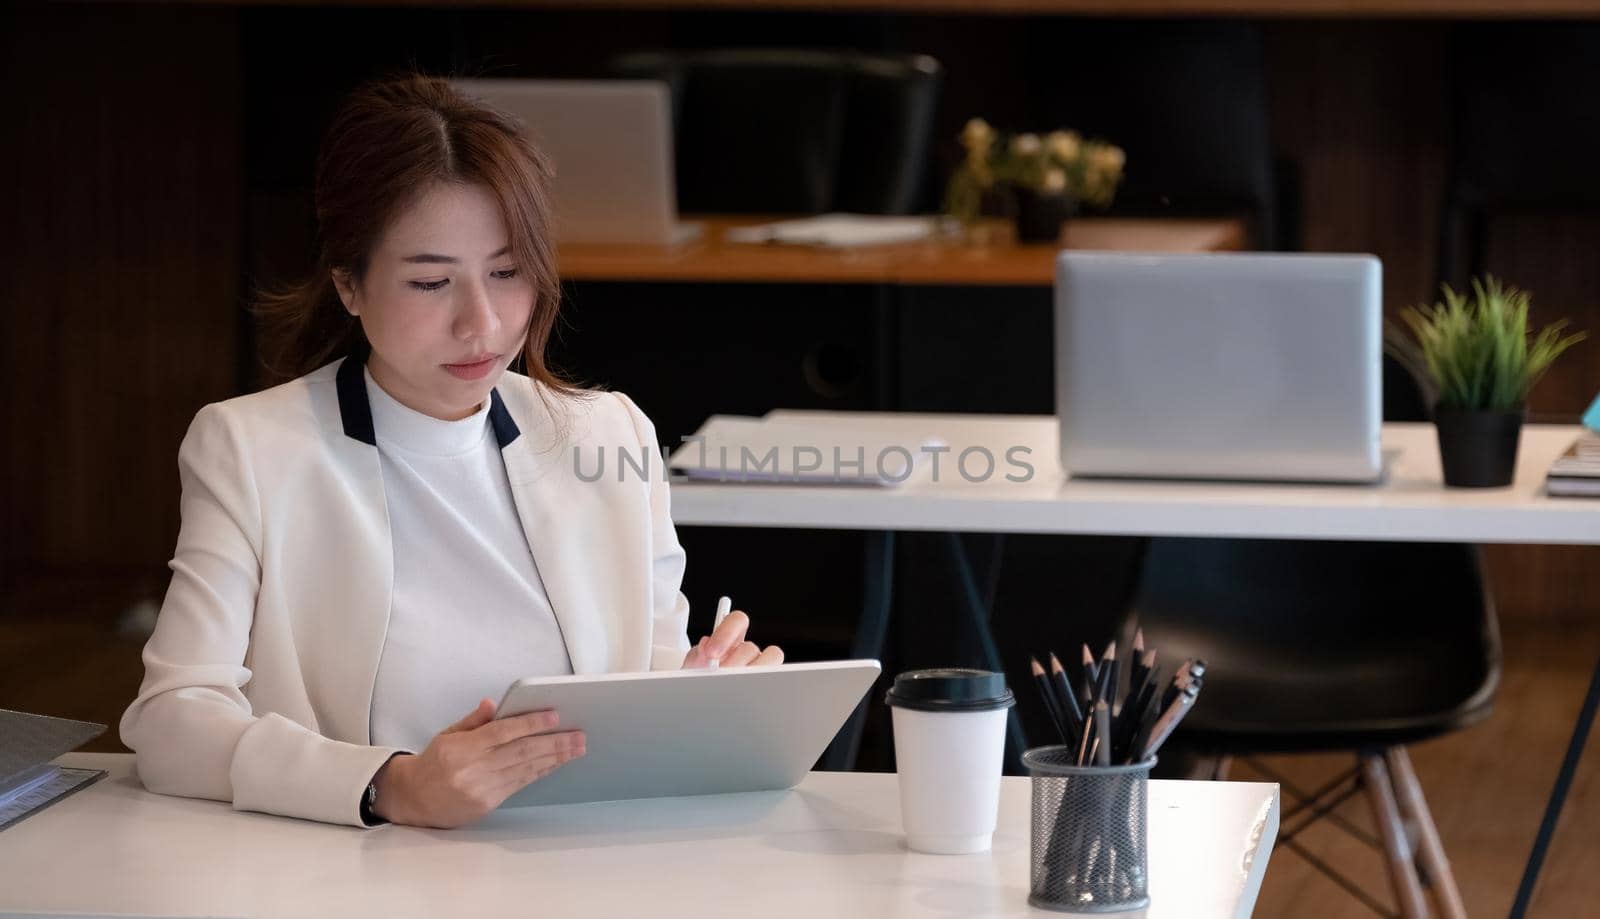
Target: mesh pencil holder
column 1089, row 849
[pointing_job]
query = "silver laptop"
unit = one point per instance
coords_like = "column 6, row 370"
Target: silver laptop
column 611, row 144
column 1229, row 366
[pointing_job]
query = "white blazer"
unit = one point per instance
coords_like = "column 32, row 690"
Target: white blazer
column 259, row 676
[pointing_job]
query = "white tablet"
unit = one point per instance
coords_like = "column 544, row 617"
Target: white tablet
column 690, row 732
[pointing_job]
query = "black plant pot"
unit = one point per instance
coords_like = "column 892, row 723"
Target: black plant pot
column 1039, row 217
column 1478, row 448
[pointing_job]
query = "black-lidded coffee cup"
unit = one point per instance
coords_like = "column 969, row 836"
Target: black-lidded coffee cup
column 949, row 743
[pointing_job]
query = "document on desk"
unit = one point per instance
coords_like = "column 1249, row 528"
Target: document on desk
column 28, row 780
column 842, row 231
column 735, row 448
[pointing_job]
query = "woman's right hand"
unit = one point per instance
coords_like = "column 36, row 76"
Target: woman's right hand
column 472, row 766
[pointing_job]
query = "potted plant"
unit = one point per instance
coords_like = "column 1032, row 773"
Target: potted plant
column 1483, row 362
column 1039, row 182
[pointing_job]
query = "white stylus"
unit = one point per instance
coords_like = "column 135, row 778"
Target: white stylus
column 724, row 607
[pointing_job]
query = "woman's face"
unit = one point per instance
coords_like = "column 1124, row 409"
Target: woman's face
column 443, row 304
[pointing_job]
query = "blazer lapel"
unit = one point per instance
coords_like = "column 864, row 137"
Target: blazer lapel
column 566, row 526
column 358, row 633
column 567, row 529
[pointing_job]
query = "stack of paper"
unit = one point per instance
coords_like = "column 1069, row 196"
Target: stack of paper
column 1577, row 472
column 734, row 448
column 836, row 231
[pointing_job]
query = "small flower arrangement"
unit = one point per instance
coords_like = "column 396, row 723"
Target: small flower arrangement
column 1059, row 164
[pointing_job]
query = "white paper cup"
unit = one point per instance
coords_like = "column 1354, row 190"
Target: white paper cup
column 949, row 741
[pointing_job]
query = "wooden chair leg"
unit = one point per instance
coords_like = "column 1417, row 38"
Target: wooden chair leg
column 1397, row 848
column 1430, row 851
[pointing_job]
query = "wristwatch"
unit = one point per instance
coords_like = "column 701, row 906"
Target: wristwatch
column 369, row 799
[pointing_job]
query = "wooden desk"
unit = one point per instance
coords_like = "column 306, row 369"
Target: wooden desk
column 934, row 262
column 1035, row 265
column 830, row 847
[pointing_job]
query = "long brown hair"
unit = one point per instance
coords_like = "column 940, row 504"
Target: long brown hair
column 389, row 143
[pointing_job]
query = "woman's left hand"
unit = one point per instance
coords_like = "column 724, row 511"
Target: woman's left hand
column 727, row 647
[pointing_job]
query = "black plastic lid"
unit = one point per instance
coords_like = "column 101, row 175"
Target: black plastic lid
column 950, row 689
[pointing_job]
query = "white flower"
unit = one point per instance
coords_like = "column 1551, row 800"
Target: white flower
column 1063, row 145
column 977, row 135
column 1055, row 181
column 1108, row 159
column 1025, row 144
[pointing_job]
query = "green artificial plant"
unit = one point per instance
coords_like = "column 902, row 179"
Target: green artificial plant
column 1478, row 350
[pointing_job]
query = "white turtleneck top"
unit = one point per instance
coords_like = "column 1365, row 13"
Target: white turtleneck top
column 469, row 613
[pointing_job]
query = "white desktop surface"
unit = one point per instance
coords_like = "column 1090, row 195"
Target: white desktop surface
column 1410, row 504
column 831, row 847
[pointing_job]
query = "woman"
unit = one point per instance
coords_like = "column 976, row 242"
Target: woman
column 399, row 533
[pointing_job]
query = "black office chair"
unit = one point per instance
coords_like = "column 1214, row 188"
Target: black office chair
column 1186, row 101
column 1332, row 646
column 796, row 131
column 1525, row 135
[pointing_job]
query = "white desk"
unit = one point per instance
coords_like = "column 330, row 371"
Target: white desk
column 829, row 848
column 1410, row 505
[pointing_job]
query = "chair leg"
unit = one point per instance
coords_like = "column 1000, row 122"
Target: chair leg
column 1197, row 767
column 979, row 613
column 871, row 641
column 1430, row 851
column 1386, row 814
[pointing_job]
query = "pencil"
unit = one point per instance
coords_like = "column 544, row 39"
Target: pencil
column 1083, row 741
column 1102, row 727
column 1156, row 704
column 1047, row 694
column 1107, row 688
column 1067, row 700
column 1167, row 722
column 1180, row 679
column 1091, row 675
column 1142, row 660
column 1131, row 718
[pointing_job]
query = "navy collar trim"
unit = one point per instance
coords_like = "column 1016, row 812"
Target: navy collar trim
column 505, row 430
column 354, row 409
column 355, row 412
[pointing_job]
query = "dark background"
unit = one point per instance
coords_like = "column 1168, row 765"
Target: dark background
column 157, row 168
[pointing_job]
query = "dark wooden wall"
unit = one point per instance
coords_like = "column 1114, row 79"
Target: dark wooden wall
column 119, row 312
column 159, row 162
